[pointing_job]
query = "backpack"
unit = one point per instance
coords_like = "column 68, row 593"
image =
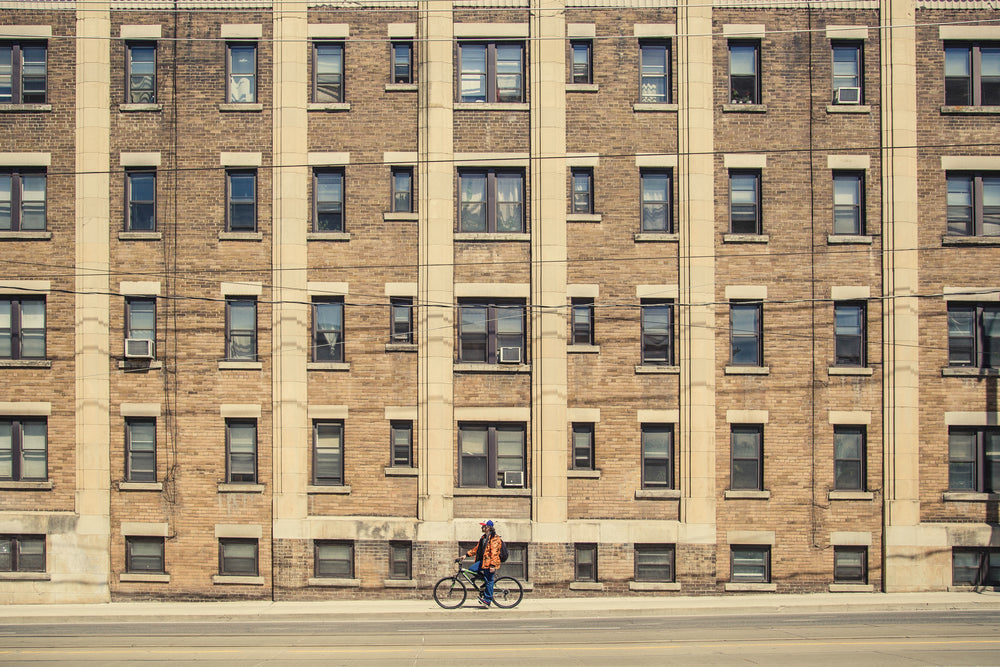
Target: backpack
column 504, row 554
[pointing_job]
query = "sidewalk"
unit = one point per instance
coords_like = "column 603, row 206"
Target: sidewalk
column 357, row 610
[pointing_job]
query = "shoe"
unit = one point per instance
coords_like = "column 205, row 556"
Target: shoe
column 484, row 604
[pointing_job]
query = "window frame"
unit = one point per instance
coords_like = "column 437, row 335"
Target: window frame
column 402, row 427
column 757, row 336
column 757, row 460
column 979, row 349
column 491, row 75
column 233, row 477
column 394, row 72
column 491, row 337
column 397, row 548
column 134, row 472
column 492, row 454
column 401, row 200
column 743, row 226
column 584, row 446
column 131, row 202
column 653, row 354
column 341, row 88
column 975, row 222
column 517, row 561
column 582, row 570
column 763, row 550
column 158, row 561
column 857, row 47
column 231, row 332
column 17, row 329
column 581, row 74
column 226, row 562
column 582, row 321
column 491, row 201
column 14, row 551
column 981, row 466
column 231, row 76
column 644, row 551
column 401, row 320
column 856, row 339
column 130, row 307
column 650, row 224
column 849, row 577
column 329, row 207
column 318, row 561
column 232, row 201
column 17, row 75
column 756, row 95
column 581, row 199
column 845, row 467
column 974, row 85
column 18, row 452
column 985, row 573
column 338, row 450
column 666, row 463
column 859, row 225
column 17, row 176
column 649, row 45
column 131, row 92
column 337, row 352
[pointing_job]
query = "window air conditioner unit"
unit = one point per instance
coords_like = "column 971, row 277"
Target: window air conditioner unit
column 510, row 355
column 848, row 96
column 138, row 348
column 513, row 478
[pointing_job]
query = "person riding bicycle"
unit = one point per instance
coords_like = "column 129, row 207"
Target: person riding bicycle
column 487, row 557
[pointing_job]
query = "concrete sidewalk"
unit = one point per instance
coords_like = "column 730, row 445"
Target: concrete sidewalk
column 355, row 610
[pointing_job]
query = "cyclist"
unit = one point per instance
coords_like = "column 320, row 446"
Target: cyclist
column 487, row 557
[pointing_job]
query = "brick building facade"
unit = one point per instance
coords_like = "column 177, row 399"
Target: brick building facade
column 688, row 297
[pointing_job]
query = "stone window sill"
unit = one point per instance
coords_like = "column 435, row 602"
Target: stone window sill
column 241, row 366
column 128, row 108
column 747, row 370
column 140, row 236
column 949, row 239
column 400, row 216
column 970, row 497
column 745, row 494
column 26, row 236
column 494, row 236
column 583, row 349
column 968, row 372
column 656, row 237
column 851, row 495
column 583, row 474
column 652, row 369
column 848, row 370
column 756, row 588
column 470, row 492
column 26, row 486
column 232, row 487
column 399, row 583
column 140, row 486
column 25, row 363
column 586, row 586
column 657, row 494
column 654, row 586
column 241, row 236
column 848, row 239
column 143, row 578
column 328, row 366
column 133, row 365
column 645, row 107
column 491, row 368
column 852, row 588
column 332, row 106
column 400, row 347
column 583, row 217
column 233, row 579
column 253, row 107
column 334, row 583
column 744, row 108
column 400, row 87
column 745, row 238
column 969, row 110
column 492, row 106
column 328, row 236
column 849, row 108
column 402, row 472
column 20, row 108
column 330, row 490
column 581, row 88
column 25, row 576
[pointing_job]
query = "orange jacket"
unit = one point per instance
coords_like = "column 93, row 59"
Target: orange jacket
column 491, row 554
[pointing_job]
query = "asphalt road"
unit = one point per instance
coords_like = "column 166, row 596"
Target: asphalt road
column 472, row 635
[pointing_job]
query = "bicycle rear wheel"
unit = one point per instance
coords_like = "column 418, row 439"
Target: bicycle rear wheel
column 507, row 592
column 450, row 592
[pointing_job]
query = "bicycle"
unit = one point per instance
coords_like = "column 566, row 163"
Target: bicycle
column 450, row 592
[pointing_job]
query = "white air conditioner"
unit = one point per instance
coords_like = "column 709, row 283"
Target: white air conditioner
column 138, row 348
column 510, row 355
column 513, row 478
column 848, row 95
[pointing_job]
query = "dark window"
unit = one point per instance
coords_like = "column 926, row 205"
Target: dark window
column 22, row 73
column 974, row 334
column 491, row 72
column 974, row 459
column 658, row 333
column 241, row 65
column 140, row 449
column 850, row 565
column 491, row 201
column 583, row 189
column 849, row 328
column 401, row 436
column 975, row 567
column 974, row 204
column 22, row 553
column 402, row 189
column 328, row 453
column 656, row 210
column 654, row 84
column 328, row 72
column 238, row 557
column 334, row 559
column 491, row 333
column 492, row 455
column 241, row 451
column 972, row 74
column 849, row 458
column 140, row 318
column 402, row 61
column 144, row 555
column 328, row 330
column 746, row 333
column 848, row 203
column 847, row 73
column 583, row 321
column 401, row 319
column 747, row 446
column 23, row 201
column 22, row 328
column 400, row 560
column 583, row 446
column 657, row 456
column 750, row 564
column 141, row 73
column 744, row 202
column 581, row 62
column 241, row 329
column 517, row 561
column 744, row 72
column 585, row 562
column 141, row 194
column 241, row 199
column 23, row 450
column 328, row 200
column 654, row 562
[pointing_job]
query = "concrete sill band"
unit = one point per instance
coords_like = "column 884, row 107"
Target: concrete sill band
column 241, row 488
column 586, row 586
column 583, row 349
column 140, row 236
column 328, row 236
column 656, row 237
column 402, row 472
column 848, row 239
column 135, row 577
column 26, row 236
column 583, row 474
column 735, row 494
column 851, row 495
column 140, row 486
column 344, row 490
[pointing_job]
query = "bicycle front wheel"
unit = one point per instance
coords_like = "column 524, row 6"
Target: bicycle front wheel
column 507, row 592
column 450, row 592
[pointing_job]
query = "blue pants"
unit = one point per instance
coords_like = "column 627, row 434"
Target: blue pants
column 489, row 576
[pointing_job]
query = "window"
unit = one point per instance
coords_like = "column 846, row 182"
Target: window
column 402, row 189
column 402, row 61
column 23, row 450
column 747, row 447
column 583, row 446
column 744, row 72
column 241, row 329
column 140, row 449
column 974, row 204
column 746, row 346
column 582, row 321
column 238, row 557
column 657, row 456
column 489, row 452
column 658, row 333
column 400, row 560
column 140, row 318
column 491, row 201
column 241, row 195
column 581, row 63
column 585, row 562
column 241, row 63
column 141, row 195
column 744, row 202
column 848, row 203
column 517, row 561
column 656, row 210
column 22, row 328
column 401, row 435
column 144, row 555
column 975, row 567
column 654, row 562
column 334, row 559
column 328, row 72
column 850, row 565
column 972, row 74
column 974, row 459
column 402, row 319
column 654, row 84
column 849, row 455
column 583, row 189
column 328, row 330
column 491, row 72
column 491, row 333
column 847, row 71
column 750, row 564
column 22, row 200
column 849, row 326
column 241, row 451
column 974, row 334
column 22, row 553
column 328, row 200
column 22, row 73
column 328, row 453
column 141, row 73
